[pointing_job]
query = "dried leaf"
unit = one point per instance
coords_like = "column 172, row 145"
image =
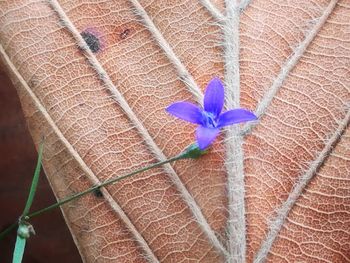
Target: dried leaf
column 272, row 191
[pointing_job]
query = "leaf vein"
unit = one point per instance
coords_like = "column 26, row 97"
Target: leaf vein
column 184, row 75
column 115, row 206
column 212, row 9
column 288, row 67
column 189, row 200
column 244, row 4
column 236, row 226
column 298, row 189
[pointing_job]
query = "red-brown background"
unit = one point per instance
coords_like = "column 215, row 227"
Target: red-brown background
column 53, row 242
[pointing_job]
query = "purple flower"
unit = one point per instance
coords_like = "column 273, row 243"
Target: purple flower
column 210, row 120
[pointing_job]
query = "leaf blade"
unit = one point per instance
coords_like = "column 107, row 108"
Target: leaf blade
column 289, row 130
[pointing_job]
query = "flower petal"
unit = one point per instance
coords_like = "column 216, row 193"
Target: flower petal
column 205, row 136
column 235, row 116
column 214, row 97
column 186, row 111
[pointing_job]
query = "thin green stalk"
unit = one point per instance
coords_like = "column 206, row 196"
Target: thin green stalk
column 34, row 181
column 19, row 249
column 106, row 183
column 24, row 229
column 23, row 233
column 8, row 230
column 32, row 191
column 192, row 152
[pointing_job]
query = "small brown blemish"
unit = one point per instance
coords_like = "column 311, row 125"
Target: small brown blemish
column 124, row 34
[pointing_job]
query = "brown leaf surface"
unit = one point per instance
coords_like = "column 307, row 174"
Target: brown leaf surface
column 17, row 163
column 103, row 115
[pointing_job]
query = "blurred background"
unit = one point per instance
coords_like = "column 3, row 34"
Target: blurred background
column 53, row 242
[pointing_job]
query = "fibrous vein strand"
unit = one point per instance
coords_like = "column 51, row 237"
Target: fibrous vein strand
column 288, row 66
column 236, row 227
column 183, row 73
column 286, row 207
column 192, row 205
column 85, row 168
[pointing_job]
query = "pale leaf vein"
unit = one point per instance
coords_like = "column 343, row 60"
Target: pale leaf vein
column 288, row 67
column 244, row 4
column 236, row 227
column 213, row 10
column 184, row 75
column 192, row 205
column 298, row 189
column 85, row 168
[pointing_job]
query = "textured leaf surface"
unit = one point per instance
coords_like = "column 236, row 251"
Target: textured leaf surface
column 276, row 190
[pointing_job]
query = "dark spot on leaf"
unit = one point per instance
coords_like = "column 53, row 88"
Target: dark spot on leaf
column 124, row 34
column 33, row 81
column 91, row 40
column 98, row 193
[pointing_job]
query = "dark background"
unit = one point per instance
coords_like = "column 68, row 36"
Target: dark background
column 53, row 242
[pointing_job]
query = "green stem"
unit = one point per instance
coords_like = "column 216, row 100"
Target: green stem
column 108, row 182
column 32, row 191
column 35, row 181
column 191, row 152
column 8, row 230
column 19, row 249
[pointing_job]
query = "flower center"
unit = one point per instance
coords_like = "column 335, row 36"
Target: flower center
column 210, row 119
